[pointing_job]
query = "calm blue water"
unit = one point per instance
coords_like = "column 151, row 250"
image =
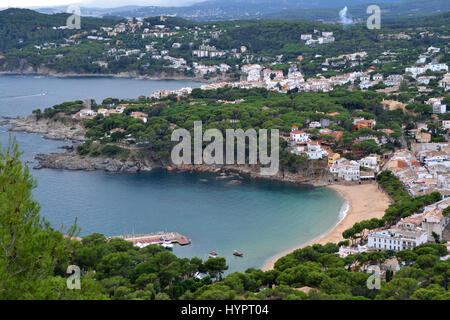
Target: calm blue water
column 260, row 219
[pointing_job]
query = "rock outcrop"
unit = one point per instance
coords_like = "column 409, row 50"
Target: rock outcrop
column 73, row 161
column 63, row 128
column 313, row 172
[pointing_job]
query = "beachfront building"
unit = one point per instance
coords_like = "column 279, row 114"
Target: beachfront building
column 396, row 239
column 370, row 162
column 346, row 170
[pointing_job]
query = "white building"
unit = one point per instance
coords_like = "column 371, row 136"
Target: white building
column 103, row 111
column 139, row 115
column 446, row 124
column 323, row 40
column 345, row 251
column 298, row 136
column 346, row 170
column 315, row 151
column 437, row 67
column 315, row 124
column 86, row 113
column 439, row 108
column 253, row 72
column 396, row 239
column 445, row 82
column 433, row 219
column 370, row 162
column 120, row 109
column 437, row 105
column 393, row 80
column 306, row 36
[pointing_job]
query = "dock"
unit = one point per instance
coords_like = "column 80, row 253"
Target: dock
column 154, row 238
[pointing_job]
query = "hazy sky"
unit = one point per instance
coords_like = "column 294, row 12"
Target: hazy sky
column 93, row 3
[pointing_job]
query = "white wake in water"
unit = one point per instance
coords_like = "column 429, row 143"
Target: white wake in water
column 21, row 97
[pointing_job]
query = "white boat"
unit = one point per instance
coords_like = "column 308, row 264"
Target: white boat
column 212, row 254
column 167, row 244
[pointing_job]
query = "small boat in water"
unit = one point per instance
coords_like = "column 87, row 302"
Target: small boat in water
column 238, row 254
column 212, row 254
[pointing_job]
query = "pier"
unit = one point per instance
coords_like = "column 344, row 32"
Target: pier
column 154, row 238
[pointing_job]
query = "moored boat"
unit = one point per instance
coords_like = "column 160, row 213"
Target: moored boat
column 212, row 254
column 238, row 254
column 167, row 244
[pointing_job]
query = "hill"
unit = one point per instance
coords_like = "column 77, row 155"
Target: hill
column 20, row 26
column 213, row 10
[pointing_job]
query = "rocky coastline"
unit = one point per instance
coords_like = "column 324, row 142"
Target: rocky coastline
column 312, row 173
column 58, row 128
column 71, row 160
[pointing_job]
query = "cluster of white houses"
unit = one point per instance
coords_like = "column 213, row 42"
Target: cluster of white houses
column 351, row 170
column 88, row 113
column 325, row 37
column 341, row 168
column 412, row 231
column 164, row 93
column 409, row 232
column 424, row 170
column 303, row 144
column 257, row 76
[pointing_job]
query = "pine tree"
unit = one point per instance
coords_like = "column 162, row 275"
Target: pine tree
column 30, row 249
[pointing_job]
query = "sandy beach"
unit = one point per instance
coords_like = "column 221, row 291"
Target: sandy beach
column 364, row 202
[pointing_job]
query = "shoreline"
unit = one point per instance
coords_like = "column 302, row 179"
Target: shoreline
column 72, row 161
column 361, row 202
column 122, row 75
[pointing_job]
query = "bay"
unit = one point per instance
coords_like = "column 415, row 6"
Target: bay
column 259, row 218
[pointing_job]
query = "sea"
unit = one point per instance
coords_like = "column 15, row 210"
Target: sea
column 258, row 218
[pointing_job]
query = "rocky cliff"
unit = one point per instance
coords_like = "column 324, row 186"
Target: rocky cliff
column 73, row 161
column 312, row 172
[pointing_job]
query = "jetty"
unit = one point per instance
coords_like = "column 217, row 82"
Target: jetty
column 154, row 238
